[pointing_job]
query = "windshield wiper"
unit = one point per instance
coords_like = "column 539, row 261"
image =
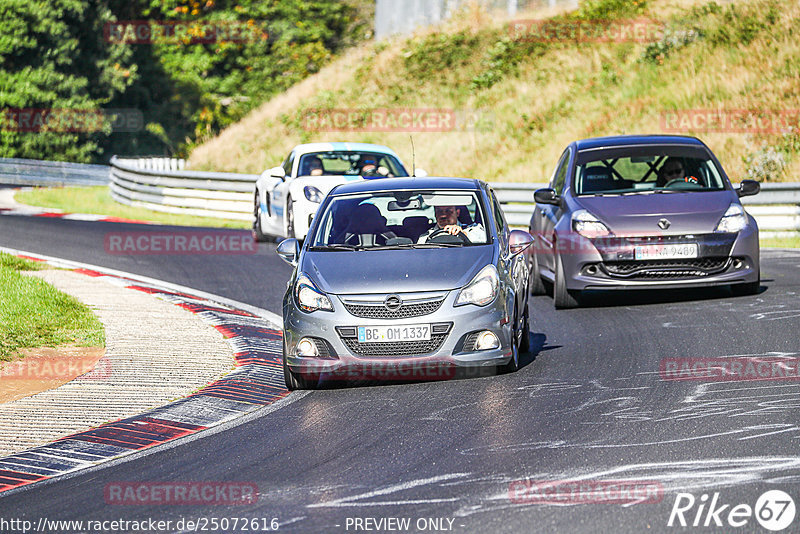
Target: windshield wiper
column 416, row 245
column 336, row 246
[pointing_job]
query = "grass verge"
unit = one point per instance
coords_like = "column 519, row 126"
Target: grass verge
column 781, row 242
column 97, row 200
column 35, row 314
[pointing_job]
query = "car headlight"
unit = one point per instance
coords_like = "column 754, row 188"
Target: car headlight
column 313, row 194
column 587, row 225
column 308, row 297
column 481, row 290
column 734, row 219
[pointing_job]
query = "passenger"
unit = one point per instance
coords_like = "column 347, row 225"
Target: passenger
column 312, row 166
column 447, row 220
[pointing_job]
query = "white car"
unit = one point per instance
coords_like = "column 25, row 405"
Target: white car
column 287, row 197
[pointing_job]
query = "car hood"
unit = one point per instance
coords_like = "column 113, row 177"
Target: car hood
column 383, row 271
column 695, row 212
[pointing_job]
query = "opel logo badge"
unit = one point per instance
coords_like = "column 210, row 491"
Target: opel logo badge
column 392, row 302
column 664, row 224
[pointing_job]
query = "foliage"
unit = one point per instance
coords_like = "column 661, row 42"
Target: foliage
column 64, row 54
column 766, row 164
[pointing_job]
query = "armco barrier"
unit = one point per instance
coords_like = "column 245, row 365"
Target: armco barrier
column 17, row 171
column 163, row 184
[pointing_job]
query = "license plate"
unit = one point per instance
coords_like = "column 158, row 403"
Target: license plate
column 666, row 252
column 387, row 334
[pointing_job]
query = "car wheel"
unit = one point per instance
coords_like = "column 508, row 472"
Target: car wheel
column 258, row 234
column 289, row 218
column 563, row 298
column 535, row 282
column 513, row 364
column 525, row 341
column 750, row 288
column 293, row 380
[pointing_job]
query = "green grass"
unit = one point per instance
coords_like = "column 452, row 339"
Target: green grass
column 781, row 242
column 34, row 314
column 530, row 99
column 97, row 200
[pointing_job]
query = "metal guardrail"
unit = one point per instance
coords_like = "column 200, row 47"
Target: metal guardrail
column 16, row 171
column 164, row 184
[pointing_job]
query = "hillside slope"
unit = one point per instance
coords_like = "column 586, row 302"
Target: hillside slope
column 518, row 102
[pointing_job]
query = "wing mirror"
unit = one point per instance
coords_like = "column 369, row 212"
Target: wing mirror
column 518, row 241
column 289, row 251
column 277, row 172
column 547, row 196
column 748, row 188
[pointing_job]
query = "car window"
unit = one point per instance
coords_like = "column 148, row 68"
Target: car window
column 647, row 170
column 287, row 165
column 499, row 217
column 560, row 176
column 350, row 163
column 398, row 218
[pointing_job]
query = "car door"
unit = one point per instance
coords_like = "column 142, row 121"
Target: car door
column 276, row 196
column 547, row 215
column 513, row 269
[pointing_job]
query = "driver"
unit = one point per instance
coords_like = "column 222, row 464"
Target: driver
column 312, row 166
column 672, row 170
column 447, row 220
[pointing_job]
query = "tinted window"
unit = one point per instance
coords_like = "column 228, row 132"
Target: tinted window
column 646, row 170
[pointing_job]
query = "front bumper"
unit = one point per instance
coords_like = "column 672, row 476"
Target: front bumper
column 609, row 264
column 342, row 356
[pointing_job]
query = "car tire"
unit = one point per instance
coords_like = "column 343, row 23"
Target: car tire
column 293, row 380
column 513, row 363
column 563, row 298
column 535, row 282
column 258, row 234
column 750, row 288
column 289, row 218
column 525, row 341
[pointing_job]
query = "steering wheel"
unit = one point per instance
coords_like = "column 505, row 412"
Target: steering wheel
column 685, row 180
column 441, row 231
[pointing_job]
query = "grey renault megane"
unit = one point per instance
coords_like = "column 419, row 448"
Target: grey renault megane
column 408, row 278
column 643, row 212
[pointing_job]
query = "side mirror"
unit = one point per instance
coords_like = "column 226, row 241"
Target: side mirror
column 420, row 172
column 748, row 188
column 289, row 251
column 547, row 196
column 518, row 241
column 277, row 172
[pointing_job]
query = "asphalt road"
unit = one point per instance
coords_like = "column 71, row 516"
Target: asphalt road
column 589, row 404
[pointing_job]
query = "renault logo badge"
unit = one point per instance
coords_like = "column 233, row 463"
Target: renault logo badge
column 393, row 302
column 664, row 224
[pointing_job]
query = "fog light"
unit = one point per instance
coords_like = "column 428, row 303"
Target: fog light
column 737, row 264
column 487, row 340
column 307, row 348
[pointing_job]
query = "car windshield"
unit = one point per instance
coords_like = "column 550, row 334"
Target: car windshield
column 401, row 219
column 646, row 170
column 350, row 163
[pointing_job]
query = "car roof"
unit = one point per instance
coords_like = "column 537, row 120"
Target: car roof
column 354, row 147
column 594, row 143
column 398, row 184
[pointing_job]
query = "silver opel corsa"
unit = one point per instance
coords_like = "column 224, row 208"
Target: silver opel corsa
column 405, row 279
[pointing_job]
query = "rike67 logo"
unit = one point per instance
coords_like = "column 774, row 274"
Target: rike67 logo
column 774, row 510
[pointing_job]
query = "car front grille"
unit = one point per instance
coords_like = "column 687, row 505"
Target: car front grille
column 406, row 310
column 400, row 349
column 689, row 268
